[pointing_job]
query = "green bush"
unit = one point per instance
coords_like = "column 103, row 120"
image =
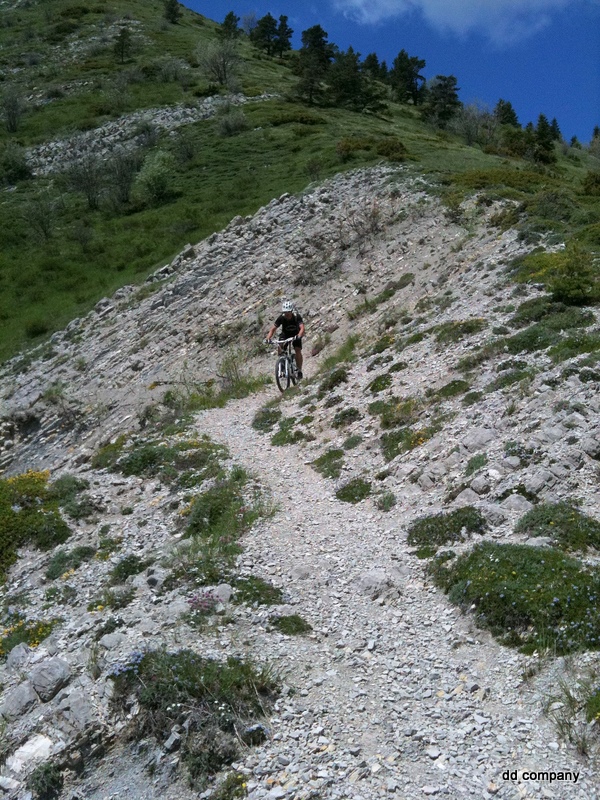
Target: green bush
column 455, row 331
column 380, row 383
column 345, row 417
column 444, row 528
column 219, row 698
column 256, row 591
column 386, row 501
column 334, row 379
column 534, row 598
column 354, row 491
column 28, row 515
column 568, row 527
column 330, row 463
column 453, row 388
column 127, row 566
column 265, row 419
column 291, row 625
column 46, row 782
column 64, row 560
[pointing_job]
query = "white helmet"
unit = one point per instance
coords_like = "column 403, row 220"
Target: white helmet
column 287, row 305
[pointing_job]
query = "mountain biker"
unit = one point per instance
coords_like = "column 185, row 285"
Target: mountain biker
column 291, row 325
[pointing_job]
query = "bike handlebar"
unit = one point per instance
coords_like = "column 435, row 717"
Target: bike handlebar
column 280, row 341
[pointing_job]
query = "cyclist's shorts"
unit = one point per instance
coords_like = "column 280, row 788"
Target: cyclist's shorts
column 296, row 343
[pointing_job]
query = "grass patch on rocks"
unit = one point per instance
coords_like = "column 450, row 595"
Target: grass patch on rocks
column 286, row 434
column 405, row 439
column 221, row 701
column 330, row 463
column 380, row 383
column 255, row 591
column 28, row 515
column 215, row 521
column 65, row 560
column 291, row 625
column 20, row 630
column 529, row 597
column 352, row 441
column 436, row 530
column 475, row 463
column 354, row 491
column 346, row 416
column 265, row 419
column 450, row 332
column 564, row 523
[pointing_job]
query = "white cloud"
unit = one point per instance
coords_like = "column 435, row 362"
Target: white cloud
column 502, row 20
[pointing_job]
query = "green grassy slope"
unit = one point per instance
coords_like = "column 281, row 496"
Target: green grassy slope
column 59, row 55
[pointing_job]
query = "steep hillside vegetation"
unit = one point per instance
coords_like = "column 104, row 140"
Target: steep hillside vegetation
column 112, row 159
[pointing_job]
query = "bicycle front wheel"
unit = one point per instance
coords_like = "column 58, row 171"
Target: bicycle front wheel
column 282, row 376
column 293, row 369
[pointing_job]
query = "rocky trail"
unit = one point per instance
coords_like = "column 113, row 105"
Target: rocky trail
column 394, row 692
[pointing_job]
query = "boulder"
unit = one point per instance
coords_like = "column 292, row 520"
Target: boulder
column 18, row 701
column 49, row 677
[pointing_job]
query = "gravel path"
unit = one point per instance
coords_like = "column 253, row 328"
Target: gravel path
column 396, row 693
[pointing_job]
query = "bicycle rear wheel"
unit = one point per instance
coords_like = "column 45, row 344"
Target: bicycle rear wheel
column 282, row 376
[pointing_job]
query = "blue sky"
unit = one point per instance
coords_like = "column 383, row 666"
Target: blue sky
column 542, row 55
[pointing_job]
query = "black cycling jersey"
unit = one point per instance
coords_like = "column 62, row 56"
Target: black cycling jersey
column 289, row 327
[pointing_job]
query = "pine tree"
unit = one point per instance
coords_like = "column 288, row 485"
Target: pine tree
column 372, row 66
column 543, row 152
column 313, row 63
column 349, row 84
column 283, row 37
column 229, row 27
column 123, row 45
column 172, row 11
column 406, row 79
column 556, row 134
column 505, row 113
column 263, row 36
column 442, row 101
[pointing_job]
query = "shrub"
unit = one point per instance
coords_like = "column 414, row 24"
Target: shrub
column 335, row 378
column 46, row 781
column 445, row 528
column 386, row 501
column 28, row 515
column 528, row 597
column 380, row 383
column 392, row 148
column 291, row 625
column 352, row 441
column 64, row 560
column 345, row 417
column 154, row 178
column 256, row 591
column 452, row 389
column 564, row 523
column 354, row 491
column 330, row 463
column 219, row 698
column 455, row 331
column 13, row 164
column 232, row 123
column 127, row 566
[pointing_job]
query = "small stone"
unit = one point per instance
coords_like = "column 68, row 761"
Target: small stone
column 433, row 753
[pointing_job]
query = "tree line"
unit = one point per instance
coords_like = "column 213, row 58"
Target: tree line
column 329, row 75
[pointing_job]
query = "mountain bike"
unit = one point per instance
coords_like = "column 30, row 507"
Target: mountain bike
column 286, row 371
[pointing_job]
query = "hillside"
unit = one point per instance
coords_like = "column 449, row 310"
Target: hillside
column 383, row 582
column 118, row 160
column 449, row 407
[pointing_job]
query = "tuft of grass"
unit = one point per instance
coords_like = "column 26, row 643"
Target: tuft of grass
column 129, row 565
column 220, row 699
column 380, row 383
column 345, row 416
column 344, row 353
column 286, row 434
column 564, row 523
column 330, row 463
column 452, row 389
column 508, row 378
column 352, row 441
column 450, row 332
column 354, row 491
column 62, row 561
column 445, row 528
column 256, row 591
column 528, row 597
column 475, row 463
column 386, row 501
column 404, row 439
column 28, row 515
column 291, row 625
column 265, row 419
column 46, row 781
